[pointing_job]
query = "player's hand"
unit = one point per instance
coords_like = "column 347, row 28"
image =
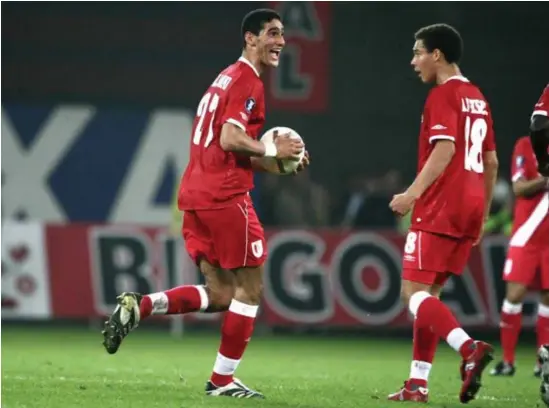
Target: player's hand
column 304, row 163
column 401, row 204
column 286, row 147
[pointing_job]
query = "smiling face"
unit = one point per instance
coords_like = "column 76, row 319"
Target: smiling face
column 425, row 62
column 268, row 44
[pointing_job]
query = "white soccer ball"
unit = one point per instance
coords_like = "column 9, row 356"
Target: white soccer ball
column 282, row 167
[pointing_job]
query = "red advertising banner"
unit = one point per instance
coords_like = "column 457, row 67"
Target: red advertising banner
column 301, row 81
column 312, row 278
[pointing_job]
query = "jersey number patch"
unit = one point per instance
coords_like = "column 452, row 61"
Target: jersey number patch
column 207, row 106
column 475, row 133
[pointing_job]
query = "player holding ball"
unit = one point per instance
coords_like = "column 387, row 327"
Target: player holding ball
column 222, row 232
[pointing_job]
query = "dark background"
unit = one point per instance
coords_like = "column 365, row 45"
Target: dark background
column 166, row 54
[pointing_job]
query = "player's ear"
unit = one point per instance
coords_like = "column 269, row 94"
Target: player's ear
column 250, row 38
column 437, row 55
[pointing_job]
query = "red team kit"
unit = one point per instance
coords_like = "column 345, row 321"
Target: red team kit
column 220, row 224
column 219, row 221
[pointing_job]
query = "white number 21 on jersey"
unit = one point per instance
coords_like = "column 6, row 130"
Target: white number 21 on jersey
column 208, row 104
column 475, row 133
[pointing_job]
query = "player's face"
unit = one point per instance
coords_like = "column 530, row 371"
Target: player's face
column 270, row 43
column 423, row 62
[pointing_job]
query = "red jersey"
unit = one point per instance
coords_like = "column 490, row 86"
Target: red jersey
column 531, row 218
column 215, row 178
column 542, row 107
column 454, row 204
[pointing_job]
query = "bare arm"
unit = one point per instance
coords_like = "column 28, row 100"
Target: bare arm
column 526, row 188
column 269, row 166
column 436, row 164
column 234, row 139
column 491, row 165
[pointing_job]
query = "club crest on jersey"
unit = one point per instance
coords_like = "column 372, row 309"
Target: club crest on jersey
column 249, row 105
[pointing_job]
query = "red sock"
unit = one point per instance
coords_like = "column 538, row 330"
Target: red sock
column 180, row 300
column 435, row 314
column 542, row 330
column 425, row 346
column 238, row 326
column 510, row 325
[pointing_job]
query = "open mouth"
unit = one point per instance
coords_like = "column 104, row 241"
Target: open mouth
column 275, row 54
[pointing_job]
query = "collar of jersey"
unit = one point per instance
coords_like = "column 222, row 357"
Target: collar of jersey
column 245, row 61
column 458, row 77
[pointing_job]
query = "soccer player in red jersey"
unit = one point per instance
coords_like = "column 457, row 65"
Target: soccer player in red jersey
column 221, row 230
column 527, row 263
column 450, row 197
column 539, row 132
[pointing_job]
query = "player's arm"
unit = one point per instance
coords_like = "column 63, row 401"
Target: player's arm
column 491, row 165
column 234, row 139
column 527, row 188
column 539, row 132
column 438, row 160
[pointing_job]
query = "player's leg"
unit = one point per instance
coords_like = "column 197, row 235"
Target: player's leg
column 429, row 311
column 237, row 329
column 542, row 323
column 510, row 326
column 425, row 344
column 518, row 272
column 215, row 296
column 240, row 244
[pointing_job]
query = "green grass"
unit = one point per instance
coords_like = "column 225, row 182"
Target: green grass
column 68, row 368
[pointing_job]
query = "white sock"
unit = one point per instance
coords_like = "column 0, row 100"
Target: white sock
column 420, row 370
column 511, row 308
column 224, row 365
column 416, row 300
column 457, row 338
column 543, row 310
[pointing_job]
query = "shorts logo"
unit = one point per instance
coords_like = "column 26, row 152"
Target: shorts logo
column 257, row 248
column 249, row 105
column 520, row 161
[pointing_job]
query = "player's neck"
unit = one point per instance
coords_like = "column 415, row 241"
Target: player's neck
column 254, row 60
column 446, row 72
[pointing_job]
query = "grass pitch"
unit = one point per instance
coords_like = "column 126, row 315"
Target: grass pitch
column 61, row 368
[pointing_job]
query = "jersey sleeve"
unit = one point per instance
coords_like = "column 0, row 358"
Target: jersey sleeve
column 443, row 117
column 542, row 107
column 242, row 98
column 523, row 163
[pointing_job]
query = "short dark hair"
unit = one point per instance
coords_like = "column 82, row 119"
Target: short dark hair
column 444, row 37
column 255, row 20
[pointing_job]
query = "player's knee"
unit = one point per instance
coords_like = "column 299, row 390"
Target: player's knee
column 249, row 294
column 515, row 292
column 220, row 296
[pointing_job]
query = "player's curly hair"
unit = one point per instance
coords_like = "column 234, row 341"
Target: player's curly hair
column 255, row 20
column 444, row 37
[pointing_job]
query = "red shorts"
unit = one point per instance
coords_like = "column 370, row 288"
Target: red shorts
column 529, row 266
column 431, row 258
column 230, row 237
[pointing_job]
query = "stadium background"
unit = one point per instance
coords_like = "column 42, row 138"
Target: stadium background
column 97, row 105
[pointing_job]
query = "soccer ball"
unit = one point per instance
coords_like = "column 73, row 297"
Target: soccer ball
column 283, row 167
column 543, row 358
